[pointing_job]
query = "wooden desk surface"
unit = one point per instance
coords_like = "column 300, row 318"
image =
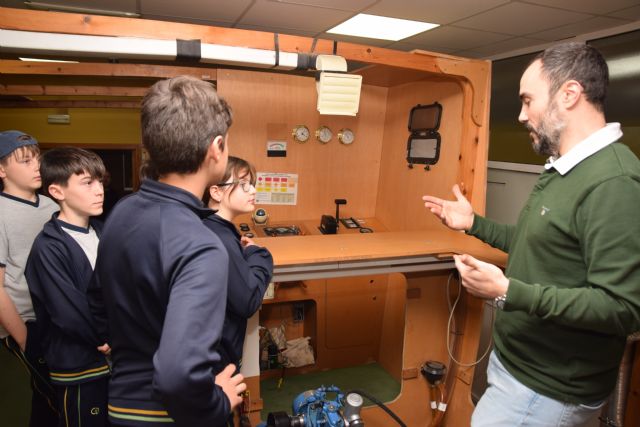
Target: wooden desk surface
column 350, row 245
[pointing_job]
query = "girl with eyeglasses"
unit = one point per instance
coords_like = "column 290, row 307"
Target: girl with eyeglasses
column 250, row 266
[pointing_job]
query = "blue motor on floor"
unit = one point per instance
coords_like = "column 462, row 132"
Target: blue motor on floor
column 314, row 409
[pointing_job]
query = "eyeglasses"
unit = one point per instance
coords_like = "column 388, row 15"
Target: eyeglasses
column 245, row 185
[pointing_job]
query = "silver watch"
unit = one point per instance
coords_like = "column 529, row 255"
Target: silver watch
column 500, row 301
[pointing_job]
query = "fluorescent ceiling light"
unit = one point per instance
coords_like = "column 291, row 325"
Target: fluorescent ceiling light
column 46, row 60
column 381, row 27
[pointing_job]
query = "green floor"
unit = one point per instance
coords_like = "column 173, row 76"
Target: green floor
column 15, row 394
column 370, row 378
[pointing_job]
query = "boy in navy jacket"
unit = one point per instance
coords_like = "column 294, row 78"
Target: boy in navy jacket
column 58, row 271
column 163, row 274
column 250, row 266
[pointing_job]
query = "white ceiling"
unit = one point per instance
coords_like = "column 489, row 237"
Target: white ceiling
column 470, row 28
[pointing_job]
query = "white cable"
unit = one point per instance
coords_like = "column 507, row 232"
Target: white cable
column 451, row 312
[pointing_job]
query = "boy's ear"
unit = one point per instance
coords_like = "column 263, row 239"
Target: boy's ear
column 217, row 147
column 56, row 191
column 3, row 172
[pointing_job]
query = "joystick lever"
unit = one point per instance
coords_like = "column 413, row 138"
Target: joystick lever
column 338, row 203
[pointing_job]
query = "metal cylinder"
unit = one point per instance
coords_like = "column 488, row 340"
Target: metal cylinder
column 352, row 406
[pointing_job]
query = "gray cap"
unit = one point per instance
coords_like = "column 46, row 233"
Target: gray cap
column 11, row 140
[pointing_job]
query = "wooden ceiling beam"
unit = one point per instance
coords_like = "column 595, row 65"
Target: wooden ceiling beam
column 73, row 23
column 76, row 23
column 69, row 104
column 428, row 62
column 36, row 90
column 8, row 66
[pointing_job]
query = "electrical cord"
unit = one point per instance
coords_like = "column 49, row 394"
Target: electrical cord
column 380, row 404
column 452, row 309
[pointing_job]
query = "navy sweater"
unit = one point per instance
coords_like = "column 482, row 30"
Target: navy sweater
column 163, row 277
column 58, row 273
column 250, row 271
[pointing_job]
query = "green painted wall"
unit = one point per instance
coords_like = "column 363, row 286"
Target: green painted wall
column 88, row 125
column 509, row 141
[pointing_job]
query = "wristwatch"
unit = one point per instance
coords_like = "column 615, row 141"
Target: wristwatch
column 500, row 301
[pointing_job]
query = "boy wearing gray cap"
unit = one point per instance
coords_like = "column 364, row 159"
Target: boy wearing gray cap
column 22, row 215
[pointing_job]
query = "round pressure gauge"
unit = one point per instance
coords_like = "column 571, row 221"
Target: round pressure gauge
column 346, row 136
column 324, row 134
column 300, row 133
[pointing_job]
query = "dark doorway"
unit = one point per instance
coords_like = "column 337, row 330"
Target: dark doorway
column 122, row 162
column 119, row 181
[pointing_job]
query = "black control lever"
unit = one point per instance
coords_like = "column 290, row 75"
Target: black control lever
column 338, row 203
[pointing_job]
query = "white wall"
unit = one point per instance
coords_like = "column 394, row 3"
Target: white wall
column 508, row 187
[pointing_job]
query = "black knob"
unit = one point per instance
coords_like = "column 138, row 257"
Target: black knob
column 278, row 419
column 433, row 371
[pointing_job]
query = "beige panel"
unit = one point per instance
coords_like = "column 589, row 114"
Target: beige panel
column 265, row 102
column 285, row 15
column 521, row 18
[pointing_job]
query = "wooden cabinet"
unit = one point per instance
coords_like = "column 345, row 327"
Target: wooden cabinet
column 343, row 316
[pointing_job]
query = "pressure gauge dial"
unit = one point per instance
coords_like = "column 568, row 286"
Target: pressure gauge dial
column 300, row 133
column 324, row 134
column 346, row 136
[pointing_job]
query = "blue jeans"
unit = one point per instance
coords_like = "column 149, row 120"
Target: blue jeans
column 508, row 403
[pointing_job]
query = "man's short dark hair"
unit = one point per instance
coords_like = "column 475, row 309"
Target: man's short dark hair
column 579, row 62
column 180, row 118
column 57, row 166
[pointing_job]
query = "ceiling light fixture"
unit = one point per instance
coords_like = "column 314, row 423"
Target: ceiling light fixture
column 381, row 27
column 77, row 9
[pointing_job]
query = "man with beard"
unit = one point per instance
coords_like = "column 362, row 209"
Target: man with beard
column 571, row 291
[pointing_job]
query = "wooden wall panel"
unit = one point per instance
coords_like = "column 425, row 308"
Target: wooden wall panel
column 268, row 104
column 400, row 191
column 355, row 308
column 345, row 327
column 424, row 339
column 392, row 334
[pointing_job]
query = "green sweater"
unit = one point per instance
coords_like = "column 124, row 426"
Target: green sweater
column 574, row 277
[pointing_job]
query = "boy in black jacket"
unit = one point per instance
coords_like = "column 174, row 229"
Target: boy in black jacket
column 58, row 272
column 163, row 274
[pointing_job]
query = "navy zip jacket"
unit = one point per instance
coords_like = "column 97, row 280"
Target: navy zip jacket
column 250, row 271
column 58, row 273
column 163, row 277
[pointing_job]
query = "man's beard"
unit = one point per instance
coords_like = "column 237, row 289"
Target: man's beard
column 548, row 133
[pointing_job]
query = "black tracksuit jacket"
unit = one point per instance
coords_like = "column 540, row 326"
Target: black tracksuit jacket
column 250, row 271
column 163, row 277
column 58, row 273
